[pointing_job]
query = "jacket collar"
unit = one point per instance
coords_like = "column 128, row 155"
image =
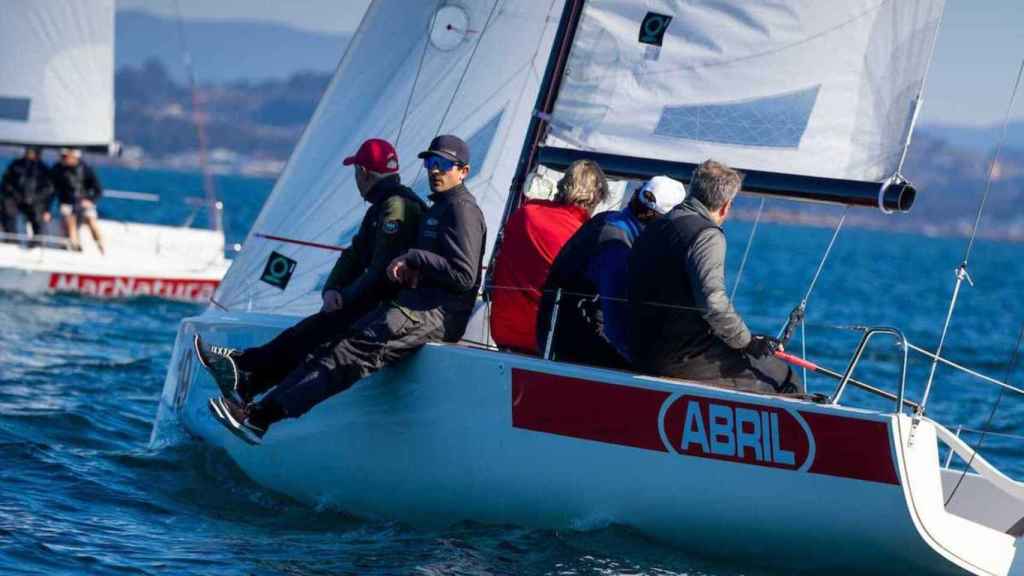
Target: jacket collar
column 693, row 206
column 382, row 188
column 450, row 194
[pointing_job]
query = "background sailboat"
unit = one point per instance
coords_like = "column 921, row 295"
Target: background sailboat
column 813, row 101
column 59, row 92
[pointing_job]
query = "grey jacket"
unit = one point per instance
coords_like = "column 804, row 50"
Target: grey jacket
column 705, row 266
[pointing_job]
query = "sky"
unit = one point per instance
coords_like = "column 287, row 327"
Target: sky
column 980, row 46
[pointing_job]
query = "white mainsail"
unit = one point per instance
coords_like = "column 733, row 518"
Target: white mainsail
column 800, row 87
column 57, row 73
column 412, row 70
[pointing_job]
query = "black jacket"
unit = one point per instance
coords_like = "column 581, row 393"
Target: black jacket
column 679, row 262
column 449, row 256
column 76, row 183
column 28, row 183
column 388, row 229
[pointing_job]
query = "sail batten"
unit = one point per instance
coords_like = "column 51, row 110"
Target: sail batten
column 57, row 77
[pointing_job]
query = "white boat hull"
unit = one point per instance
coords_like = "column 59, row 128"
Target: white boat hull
column 174, row 263
column 459, row 433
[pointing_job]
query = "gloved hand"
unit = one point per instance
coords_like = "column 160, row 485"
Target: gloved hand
column 761, row 346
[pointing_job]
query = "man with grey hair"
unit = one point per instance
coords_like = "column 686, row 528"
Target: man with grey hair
column 682, row 322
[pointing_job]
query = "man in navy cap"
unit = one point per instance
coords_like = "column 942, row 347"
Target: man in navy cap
column 438, row 282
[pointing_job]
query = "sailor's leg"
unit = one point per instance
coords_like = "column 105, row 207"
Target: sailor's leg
column 778, row 374
column 34, row 218
column 67, row 212
column 9, row 218
column 92, row 221
column 383, row 337
column 272, row 362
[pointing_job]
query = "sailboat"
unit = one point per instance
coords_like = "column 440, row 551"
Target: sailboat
column 59, row 92
column 812, row 100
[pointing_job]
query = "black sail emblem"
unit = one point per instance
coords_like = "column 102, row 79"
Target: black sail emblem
column 278, row 270
column 652, row 29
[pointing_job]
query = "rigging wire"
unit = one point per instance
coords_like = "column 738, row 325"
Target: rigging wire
column 746, row 251
column 796, row 315
column 1010, row 369
column 961, row 270
column 415, row 82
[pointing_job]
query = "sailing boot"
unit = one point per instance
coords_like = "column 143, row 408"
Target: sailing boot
column 237, row 419
column 220, row 363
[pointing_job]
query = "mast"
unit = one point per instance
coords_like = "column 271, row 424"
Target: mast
column 213, row 206
column 546, row 96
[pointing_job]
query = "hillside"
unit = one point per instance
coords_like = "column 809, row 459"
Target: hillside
column 257, row 51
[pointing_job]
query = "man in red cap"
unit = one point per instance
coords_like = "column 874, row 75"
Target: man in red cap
column 355, row 286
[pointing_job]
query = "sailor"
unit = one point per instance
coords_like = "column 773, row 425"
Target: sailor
column 682, row 322
column 357, row 283
column 531, row 240
column 592, row 272
column 26, row 188
column 78, row 190
column 438, row 279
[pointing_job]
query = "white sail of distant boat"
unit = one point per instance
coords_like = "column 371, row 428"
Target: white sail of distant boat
column 57, row 90
column 57, row 76
column 814, row 101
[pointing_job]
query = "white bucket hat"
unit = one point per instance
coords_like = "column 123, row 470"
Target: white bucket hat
column 661, row 194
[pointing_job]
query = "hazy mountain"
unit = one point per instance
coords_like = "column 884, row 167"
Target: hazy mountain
column 224, row 51
column 976, row 138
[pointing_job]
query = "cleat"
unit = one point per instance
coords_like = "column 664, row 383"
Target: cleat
column 220, row 363
column 236, row 419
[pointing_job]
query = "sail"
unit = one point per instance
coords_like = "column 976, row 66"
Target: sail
column 57, row 73
column 796, row 87
column 412, row 70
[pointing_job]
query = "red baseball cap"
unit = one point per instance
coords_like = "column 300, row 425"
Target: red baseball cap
column 375, row 155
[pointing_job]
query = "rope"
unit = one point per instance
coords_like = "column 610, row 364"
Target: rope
column 961, row 271
column 1014, row 358
column 415, row 82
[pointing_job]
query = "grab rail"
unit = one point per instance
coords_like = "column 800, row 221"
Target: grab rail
column 859, row 351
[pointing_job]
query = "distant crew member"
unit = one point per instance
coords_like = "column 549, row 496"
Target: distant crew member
column 439, row 281
column 683, row 324
column 26, row 188
column 78, row 191
column 357, row 284
column 592, row 271
column 532, row 238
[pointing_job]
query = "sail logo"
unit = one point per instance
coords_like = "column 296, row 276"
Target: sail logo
column 278, row 271
column 736, row 432
column 123, row 287
column 653, row 27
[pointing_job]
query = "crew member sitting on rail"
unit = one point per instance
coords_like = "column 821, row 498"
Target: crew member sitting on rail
column 439, row 281
column 532, row 238
column 78, row 190
column 592, row 272
column 682, row 322
column 26, row 188
column 357, row 284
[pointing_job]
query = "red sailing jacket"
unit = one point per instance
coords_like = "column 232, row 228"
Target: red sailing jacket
column 534, row 234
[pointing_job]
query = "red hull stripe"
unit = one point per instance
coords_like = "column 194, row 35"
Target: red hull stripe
column 845, row 447
column 586, row 409
column 128, row 286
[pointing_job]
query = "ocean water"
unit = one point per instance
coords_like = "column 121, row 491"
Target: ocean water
column 82, row 492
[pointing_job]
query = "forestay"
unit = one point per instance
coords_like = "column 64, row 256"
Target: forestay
column 802, row 87
column 57, row 73
column 412, row 70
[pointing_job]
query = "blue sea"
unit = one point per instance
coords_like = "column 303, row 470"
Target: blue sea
column 82, row 491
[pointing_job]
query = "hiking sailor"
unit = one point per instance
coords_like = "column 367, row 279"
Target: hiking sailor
column 438, row 280
column 532, row 238
column 682, row 322
column 26, row 188
column 356, row 285
column 592, row 272
column 78, row 190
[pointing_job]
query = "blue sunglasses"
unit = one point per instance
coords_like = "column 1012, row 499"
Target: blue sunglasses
column 439, row 162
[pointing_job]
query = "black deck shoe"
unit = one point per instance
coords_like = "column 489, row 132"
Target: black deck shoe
column 236, row 419
column 220, row 363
